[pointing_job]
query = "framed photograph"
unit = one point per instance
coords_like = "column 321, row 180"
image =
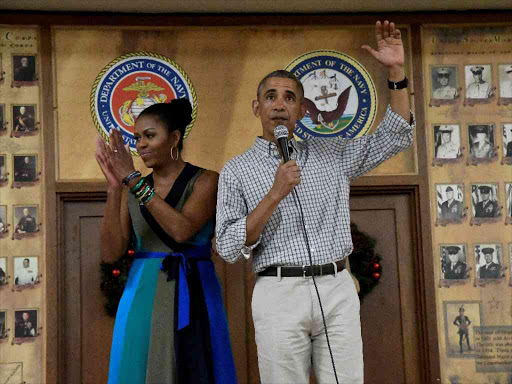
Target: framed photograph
column 478, row 78
column 450, row 204
column 3, row 120
column 459, row 319
column 4, row 226
column 25, row 170
column 507, row 143
column 445, row 89
column 489, row 261
column 26, row 270
column 4, row 275
column 24, row 70
column 485, row 203
column 508, row 196
column 482, row 147
column 447, row 146
column 505, row 78
column 510, row 262
column 26, row 324
column 3, row 324
column 454, row 266
column 24, row 120
column 26, row 220
column 2, row 73
column 4, row 175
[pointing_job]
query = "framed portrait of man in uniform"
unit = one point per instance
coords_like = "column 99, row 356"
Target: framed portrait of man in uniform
column 4, row 226
column 450, row 204
column 485, row 203
column 507, row 143
column 3, row 324
column 3, row 120
column 26, row 271
column 26, row 325
column 478, row 80
column 26, row 221
column 447, row 146
column 3, row 169
column 24, row 120
column 4, row 275
column 454, row 266
column 505, row 77
column 445, row 89
column 508, row 203
column 489, row 261
column 25, row 170
column 482, row 148
column 24, row 70
column 459, row 319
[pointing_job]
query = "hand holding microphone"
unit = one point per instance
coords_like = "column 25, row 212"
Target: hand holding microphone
column 288, row 173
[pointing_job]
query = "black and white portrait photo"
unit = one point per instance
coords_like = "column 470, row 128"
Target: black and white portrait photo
column 26, row 323
column 447, row 141
column 26, row 219
column 478, row 81
column 3, row 324
column 3, row 219
column 3, row 125
column 444, row 82
column 505, row 75
column 507, row 140
column 25, row 168
column 24, row 118
column 450, row 202
column 24, row 69
column 481, row 141
column 3, row 169
column 3, row 271
column 508, row 202
column 488, row 260
column 454, row 262
column 459, row 319
column 25, row 270
column 485, row 201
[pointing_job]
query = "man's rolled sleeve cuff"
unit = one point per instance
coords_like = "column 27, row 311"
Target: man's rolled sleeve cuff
column 398, row 123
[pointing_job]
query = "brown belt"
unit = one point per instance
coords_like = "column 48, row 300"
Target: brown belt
column 305, row 270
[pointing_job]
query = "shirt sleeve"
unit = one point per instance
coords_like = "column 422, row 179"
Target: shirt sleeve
column 360, row 155
column 231, row 217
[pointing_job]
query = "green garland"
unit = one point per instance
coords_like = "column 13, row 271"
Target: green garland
column 364, row 265
column 364, row 261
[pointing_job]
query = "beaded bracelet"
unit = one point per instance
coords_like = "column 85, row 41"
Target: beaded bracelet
column 148, row 198
column 137, row 187
column 143, row 192
column 131, row 176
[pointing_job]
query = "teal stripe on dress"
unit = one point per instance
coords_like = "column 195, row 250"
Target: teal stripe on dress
column 132, row 330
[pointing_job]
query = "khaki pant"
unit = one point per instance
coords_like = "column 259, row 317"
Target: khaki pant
column 290, row 333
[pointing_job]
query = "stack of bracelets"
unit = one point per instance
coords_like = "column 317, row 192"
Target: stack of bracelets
column 142, row 191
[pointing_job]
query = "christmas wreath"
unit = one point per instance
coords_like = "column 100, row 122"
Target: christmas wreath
column 364, row 265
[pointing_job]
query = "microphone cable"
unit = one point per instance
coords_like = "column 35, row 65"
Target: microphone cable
column 296, row 196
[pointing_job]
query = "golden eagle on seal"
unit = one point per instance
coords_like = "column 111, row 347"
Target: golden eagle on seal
column 324, row 117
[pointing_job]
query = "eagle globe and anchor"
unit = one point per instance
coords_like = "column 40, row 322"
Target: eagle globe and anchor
column 339, row 95
column 131, row 83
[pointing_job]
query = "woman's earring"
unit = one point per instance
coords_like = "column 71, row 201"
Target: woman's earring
column 177, row 153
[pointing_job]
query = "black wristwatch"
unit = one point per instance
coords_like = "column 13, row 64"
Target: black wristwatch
column 398, row 85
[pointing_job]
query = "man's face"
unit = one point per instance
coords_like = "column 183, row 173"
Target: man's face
column 477, row 76
column 449, row 195
column 279, row 103
column 453, row 257
column 485, row 196
column 446, row 137
column 26, row 263
column 488, row 257
column 24, row 62
column 443, row 80
column 509, row 75
column 25, row 316
column 22, row 110
column 26, row 160
column 25, row 211
column 481, row 137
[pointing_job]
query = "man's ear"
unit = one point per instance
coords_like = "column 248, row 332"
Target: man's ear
column 256, row 108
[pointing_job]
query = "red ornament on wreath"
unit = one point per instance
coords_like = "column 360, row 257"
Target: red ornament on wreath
column 376, row 267
column 131, row 252
column 376, row 275
column 116, row 272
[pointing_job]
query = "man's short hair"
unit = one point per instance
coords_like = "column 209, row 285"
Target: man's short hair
column 283, row 74
column 28, row 260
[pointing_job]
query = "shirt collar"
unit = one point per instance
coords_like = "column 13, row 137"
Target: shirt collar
column 270, row 148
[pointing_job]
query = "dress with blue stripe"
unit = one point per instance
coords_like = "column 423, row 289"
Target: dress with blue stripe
column 171, row 326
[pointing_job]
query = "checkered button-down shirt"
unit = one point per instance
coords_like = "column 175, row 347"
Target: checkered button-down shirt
column 328, row 165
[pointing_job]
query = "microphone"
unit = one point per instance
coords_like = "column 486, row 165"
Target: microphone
column 281, row 135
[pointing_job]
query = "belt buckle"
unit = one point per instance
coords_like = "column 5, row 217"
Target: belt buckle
column 304, row 272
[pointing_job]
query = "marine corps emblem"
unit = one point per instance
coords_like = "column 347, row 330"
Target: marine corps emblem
column 131, row 83
column 339, row 94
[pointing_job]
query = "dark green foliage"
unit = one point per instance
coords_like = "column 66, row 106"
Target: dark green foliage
column 113, row 286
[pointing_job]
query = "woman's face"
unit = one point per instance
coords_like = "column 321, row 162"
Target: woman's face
column 154, row 142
